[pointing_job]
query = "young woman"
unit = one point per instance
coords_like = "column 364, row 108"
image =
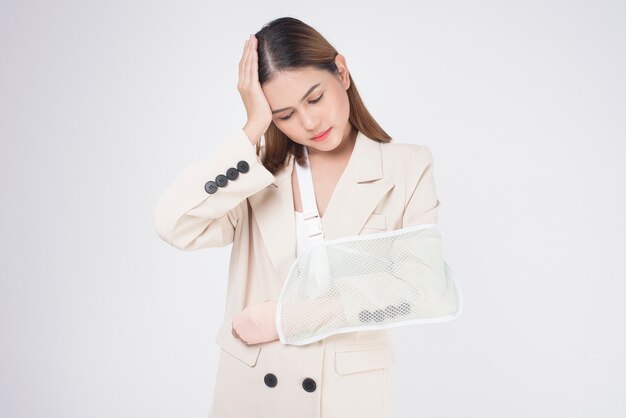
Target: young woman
column 298, row 93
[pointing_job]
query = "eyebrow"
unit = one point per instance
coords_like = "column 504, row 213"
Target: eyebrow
column 303, row 97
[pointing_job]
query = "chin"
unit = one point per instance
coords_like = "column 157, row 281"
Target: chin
column 326, row 145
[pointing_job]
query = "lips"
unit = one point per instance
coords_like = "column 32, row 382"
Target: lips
column 320, row 134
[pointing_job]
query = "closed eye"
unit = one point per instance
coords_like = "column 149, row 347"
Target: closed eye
column 312, row 101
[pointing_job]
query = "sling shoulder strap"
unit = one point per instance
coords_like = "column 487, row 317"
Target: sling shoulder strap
column 310, row 214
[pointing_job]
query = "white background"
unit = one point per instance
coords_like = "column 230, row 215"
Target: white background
column 103, row 104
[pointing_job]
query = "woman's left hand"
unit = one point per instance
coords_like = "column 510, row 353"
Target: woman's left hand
column 256, row 323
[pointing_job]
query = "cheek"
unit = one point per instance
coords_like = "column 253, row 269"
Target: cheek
column 339, row 107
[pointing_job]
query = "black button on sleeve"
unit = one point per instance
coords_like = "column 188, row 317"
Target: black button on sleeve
column 210, row 187
column 242, row 166
column 232, row 173
column 221, row 180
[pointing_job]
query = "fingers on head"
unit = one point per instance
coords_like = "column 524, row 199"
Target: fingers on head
column 243, row 62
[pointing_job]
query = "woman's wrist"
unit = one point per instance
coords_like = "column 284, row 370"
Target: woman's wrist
column 254, row 133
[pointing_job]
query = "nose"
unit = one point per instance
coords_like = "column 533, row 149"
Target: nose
column 309, row 122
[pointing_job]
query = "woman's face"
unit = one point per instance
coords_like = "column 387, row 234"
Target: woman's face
column 307, row 102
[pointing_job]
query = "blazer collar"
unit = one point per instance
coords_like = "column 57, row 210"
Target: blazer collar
column 366, row 158
column 357, row 193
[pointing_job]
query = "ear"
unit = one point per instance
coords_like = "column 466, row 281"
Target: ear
column 342, row 68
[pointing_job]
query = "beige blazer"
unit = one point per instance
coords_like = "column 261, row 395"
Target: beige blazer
column 385, row 186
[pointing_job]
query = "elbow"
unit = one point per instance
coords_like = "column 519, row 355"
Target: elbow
column 164, row 223
column 189, row 233
column 161, row 227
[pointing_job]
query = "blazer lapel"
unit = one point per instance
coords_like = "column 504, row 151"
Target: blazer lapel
column 359, row 190
column 357, row 193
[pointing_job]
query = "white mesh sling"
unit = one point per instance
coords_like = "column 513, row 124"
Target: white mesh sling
column 363, row 282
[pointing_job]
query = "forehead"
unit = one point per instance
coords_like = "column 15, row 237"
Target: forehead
column 287, row 87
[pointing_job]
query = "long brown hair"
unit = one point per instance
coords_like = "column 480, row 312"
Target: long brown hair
column 287, row 43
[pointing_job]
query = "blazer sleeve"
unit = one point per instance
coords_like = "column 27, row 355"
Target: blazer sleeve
column 423, row 205
column 190, row 218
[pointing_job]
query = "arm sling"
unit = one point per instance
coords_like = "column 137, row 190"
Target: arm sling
column 363, row 282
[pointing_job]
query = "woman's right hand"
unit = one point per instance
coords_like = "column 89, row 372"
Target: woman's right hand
column 257, row 107
column 256, row 323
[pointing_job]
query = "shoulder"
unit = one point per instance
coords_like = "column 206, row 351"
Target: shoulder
column 408, row 156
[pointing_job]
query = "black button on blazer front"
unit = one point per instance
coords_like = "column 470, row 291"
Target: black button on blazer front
column 309, row 385
column 270, row 380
